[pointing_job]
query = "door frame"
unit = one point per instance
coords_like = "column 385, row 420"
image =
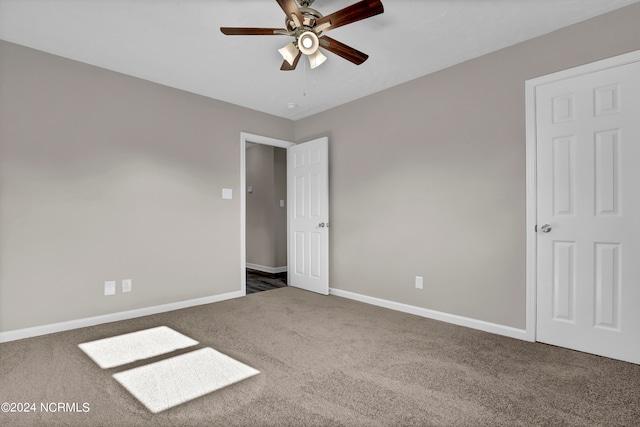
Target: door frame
column 256, row 139
column 531, row 168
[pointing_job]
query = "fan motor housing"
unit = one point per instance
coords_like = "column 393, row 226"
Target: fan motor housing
column 309, row 18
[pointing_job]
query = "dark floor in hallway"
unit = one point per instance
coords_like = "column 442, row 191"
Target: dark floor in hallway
column 259, row 281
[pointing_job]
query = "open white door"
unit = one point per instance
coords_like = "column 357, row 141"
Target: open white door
column 308, row 215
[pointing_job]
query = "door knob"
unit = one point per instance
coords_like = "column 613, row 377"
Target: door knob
column 545, row 228
column 321, row 225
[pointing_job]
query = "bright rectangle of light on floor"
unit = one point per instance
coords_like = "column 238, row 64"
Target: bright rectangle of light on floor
column 127, row 348
column 170, row 382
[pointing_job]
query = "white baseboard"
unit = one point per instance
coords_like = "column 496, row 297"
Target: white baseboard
column 131, row 314
column 113, row 317
column 435, row 315
column 264, row 268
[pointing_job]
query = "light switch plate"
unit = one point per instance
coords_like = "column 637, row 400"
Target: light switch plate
column 110, row 287
column 126, row 285
column 227, row 193
column 419, row 282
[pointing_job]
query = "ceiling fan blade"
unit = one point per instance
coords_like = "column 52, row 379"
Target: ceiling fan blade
column 355, row 12
column 237, row 31
column 341, row 49
column 290, row 8
column 290, row 67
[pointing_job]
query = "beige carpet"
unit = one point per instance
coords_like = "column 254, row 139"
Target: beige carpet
column 325, row 361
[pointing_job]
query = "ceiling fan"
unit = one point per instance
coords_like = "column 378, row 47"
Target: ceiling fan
column 307, row 26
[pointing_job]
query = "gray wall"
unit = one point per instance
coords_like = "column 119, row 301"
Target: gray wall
column 428, row 178
column 107, row 177
column 266, row 226
column 103, row 176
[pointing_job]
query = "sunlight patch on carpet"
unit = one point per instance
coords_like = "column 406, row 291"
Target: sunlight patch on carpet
column 127, row 348
column 170, row 382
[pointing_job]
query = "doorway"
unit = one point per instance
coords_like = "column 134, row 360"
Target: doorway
column 263, row 212
column 307, row 209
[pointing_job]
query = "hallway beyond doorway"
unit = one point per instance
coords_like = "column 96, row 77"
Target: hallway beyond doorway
column 259, row 281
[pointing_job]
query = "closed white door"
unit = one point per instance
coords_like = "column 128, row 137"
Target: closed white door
column 308, row 215
column 588, row 212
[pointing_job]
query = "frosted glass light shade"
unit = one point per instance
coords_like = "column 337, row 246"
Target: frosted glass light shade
column 289, row 53
column 308, row 42
column 316, row 59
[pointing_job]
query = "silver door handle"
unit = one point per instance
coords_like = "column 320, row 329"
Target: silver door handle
column 321, row 225
column 545, row 228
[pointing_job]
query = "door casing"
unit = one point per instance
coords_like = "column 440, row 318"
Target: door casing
column 531, row 165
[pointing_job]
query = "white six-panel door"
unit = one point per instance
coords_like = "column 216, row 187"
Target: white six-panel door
column 308, row 216
column 588, row 212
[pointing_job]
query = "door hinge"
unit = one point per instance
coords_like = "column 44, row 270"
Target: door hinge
column 535, row 228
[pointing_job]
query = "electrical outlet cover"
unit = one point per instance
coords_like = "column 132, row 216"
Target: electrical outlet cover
column 110, row 287
column 126, row 285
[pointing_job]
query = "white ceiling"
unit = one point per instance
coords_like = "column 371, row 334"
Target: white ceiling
column 178, row 43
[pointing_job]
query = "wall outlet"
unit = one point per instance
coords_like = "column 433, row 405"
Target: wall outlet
column 419, row 282
column 126, row 285
column 110, row 287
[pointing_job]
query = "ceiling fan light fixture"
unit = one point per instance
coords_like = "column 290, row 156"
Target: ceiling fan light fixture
column 316, row 59
column 289, row 53
column 308, row 43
